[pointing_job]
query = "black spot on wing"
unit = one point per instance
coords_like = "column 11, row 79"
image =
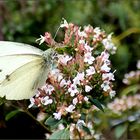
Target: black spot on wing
column 7, row 77
column 0, row 70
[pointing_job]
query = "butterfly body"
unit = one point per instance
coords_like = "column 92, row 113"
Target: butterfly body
column 23, row 69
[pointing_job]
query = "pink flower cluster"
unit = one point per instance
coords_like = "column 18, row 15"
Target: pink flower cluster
column 82, row 70
column 119, row 105
column 133, row 77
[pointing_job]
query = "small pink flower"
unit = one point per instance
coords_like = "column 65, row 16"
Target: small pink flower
column 64, row 24
column 46, row 100
column 90, row 71
column 107, row 42
column 79, row 77
column 73, row 90
column 88, row 48
column 49, row 89
column 82, row 33
column 105, row 68
column 57, row 116
column 63, row 83
column 112, row 93
column 105, row 56
column 63, row 59
column 105, row 86
column 41, row 39
column 88, row 58
column 108, row 76
column 75, row 101
column 86, row 98
column 88, row 88
column 82, row 41
column 70, row 108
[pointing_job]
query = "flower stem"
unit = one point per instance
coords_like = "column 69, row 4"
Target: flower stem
column 40, row 123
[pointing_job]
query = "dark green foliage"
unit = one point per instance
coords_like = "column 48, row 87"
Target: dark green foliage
column 60, row 135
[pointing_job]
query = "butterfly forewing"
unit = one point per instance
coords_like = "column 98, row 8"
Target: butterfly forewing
column 10, row 48
column 10, row 63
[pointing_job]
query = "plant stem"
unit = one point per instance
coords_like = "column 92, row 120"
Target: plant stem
column 27, row 112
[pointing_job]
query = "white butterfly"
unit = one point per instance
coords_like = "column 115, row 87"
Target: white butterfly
column 23, row 68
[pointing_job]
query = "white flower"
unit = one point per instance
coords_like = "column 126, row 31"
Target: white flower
column 57, row 116
column 81, row 41
column 112, row 93
column 105, row 86
column 55, row 72
column 80, row 123
column 46, row 100
column 86, row 98
column 70, row 108
column 68, row 82
column 88, row 48
column 63, row 83
column 108, row 76
column 73, row 90
column 75, row 101
column 64, row 24
column 107, row 42
column 90, row 71
column 79, row 77
column 97, row 30
column 105, row 68
column 41, row 39
column 88, row 58
column 49, row 89
column 63, row 59
column 61, row 126
column 82, row 34
column 32, row 100
column 88, row 88
column 105, row 56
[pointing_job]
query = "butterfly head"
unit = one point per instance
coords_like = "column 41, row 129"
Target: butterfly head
column 50, row 55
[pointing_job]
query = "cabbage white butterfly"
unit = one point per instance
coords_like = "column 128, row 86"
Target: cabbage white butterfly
column 23, row 68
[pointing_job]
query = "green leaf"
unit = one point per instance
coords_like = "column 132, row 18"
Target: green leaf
column 53, row 123
column 120, row 130
column 96, row 103
column 86, row 129
column 132, row 88
column 60, row 135
column 12, row 114
column 134, row 126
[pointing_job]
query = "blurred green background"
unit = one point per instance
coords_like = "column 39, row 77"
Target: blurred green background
column 25, row 20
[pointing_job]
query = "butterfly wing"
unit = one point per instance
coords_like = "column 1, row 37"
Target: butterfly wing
column 23, row 68
column 10, row 63
column 10, row 48
column 23, row 82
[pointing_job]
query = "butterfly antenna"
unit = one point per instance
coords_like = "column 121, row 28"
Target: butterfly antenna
column 58, row 29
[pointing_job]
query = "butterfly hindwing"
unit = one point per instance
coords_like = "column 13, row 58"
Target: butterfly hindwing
column 23, row 82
